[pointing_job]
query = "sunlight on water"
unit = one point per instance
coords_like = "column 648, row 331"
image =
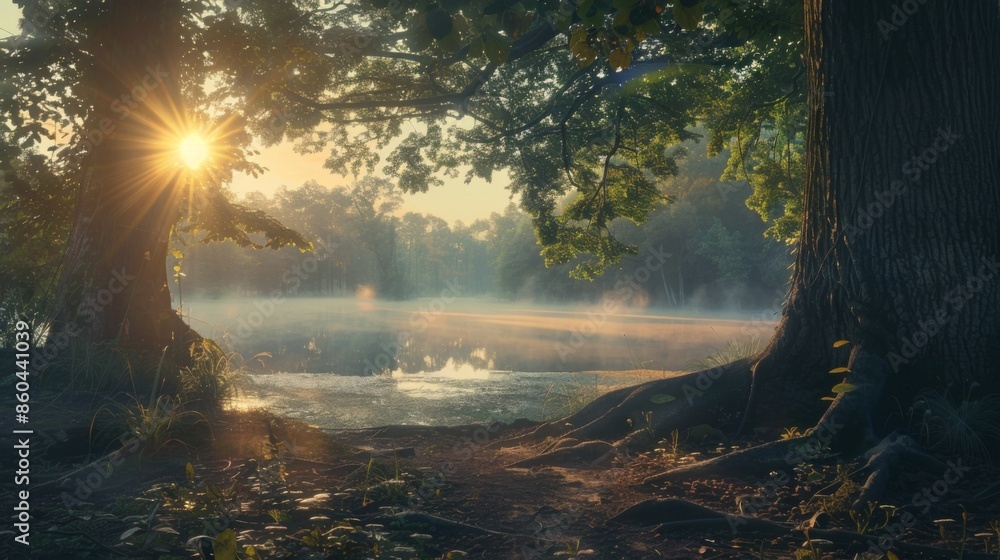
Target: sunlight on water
column 435, row 385
column 361, row 362
column 450, row 370
column 245, row 402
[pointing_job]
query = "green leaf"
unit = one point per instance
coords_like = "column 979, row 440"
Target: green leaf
column 224, row 545
column 189, row 471
column 688, row 14
column 620, row 58
column 826, row 398
column 840, row 370
column 843, row 388
column 585, row 54
column 496, row 49
column 662, row 398
column 840, row 343
column 129, row 533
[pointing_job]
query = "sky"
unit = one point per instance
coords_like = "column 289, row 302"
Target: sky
column 452, row 201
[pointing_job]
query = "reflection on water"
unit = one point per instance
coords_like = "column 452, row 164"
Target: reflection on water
column 467, row 361
column 365, row 337
column 461, row 395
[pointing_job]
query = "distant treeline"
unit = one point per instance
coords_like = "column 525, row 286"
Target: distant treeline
column 704, row 248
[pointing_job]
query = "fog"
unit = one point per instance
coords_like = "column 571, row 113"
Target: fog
column 357, row 336
column 349, row 362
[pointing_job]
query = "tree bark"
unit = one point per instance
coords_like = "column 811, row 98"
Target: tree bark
column 899, row 248
column 113, row 286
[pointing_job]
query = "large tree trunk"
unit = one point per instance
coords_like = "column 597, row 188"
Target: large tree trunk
column 113, row 287
column 900, row 248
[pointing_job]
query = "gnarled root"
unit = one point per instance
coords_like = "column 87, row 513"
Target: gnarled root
column 845, row 428
column 590, row 453
column 885, row 459
column 676, row 402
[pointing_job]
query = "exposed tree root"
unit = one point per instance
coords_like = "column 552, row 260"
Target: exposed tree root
column 675, row 515
column 845, row 428
column 588, row 454
column 885, row 460
column 677, row 402
column 756, row 461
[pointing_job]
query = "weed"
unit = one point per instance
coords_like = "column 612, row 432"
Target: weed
column 988, row 539
column 733, row 351
column 672, row 446
column 279, row 516
column 958, row 425
column 791, row 433
column 214, row 377
column 566, row 399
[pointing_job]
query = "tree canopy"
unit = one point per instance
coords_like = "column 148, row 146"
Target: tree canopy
column 579, row 102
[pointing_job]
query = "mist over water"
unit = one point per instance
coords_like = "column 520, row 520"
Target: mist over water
column 353, row 362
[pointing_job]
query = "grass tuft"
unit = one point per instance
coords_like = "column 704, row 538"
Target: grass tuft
column 733, row 351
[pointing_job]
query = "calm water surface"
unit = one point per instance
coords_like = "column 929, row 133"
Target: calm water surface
column 343, row 363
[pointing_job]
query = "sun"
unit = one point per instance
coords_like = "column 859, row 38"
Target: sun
column 193, row 151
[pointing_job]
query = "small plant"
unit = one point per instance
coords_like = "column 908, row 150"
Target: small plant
column 963, row 425
column 154, row 422
column 791, row 433
column 93, row 367
column 988, row 539
column 843, row 386
column 811, row 549
column 215, row 377
column 671, row 447
column 871, row 518
column 279, row 516
column 383, row 483
column 840, row 503
column 958, row 543
column 147, row 534
column 565, row 399
column 734, row 350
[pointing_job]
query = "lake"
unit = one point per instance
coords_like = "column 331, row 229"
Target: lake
column 356, row 362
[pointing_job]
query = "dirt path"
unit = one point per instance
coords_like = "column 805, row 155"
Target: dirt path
column 291, row 491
